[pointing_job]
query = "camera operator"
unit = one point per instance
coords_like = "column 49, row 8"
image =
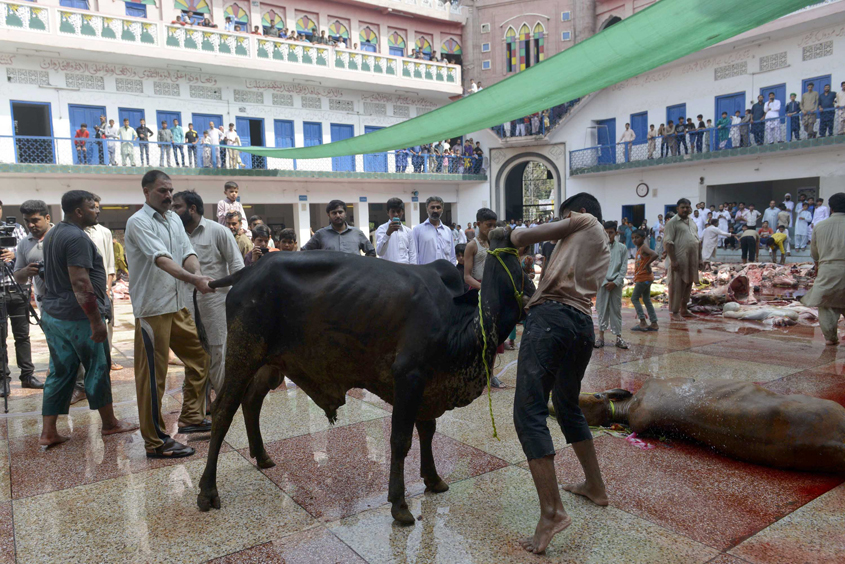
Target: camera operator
column 261, row 238
column 17, row 309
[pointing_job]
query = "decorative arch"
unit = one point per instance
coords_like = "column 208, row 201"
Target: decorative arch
column 451, row 47
column 337, row 29
column 238, row 14
column 510, row 33
column 200, row 6
column 306, row 26
column 396, row 44
column 539, row 29
column 369, row 39
column 272, row 18
column 516, row 165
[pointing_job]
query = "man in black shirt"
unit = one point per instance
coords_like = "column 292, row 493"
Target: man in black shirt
column 191, row 138
column 74, row 310
column 758, row 116
column 144, row 134
column 681, row 136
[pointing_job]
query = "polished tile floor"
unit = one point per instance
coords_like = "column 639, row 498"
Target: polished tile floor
column 100, row 500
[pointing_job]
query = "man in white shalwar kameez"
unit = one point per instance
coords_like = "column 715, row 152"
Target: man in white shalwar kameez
column 710, row 240
column 802, row 226
column 772, row 109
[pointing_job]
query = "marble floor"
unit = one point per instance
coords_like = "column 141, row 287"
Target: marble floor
column 98, row 499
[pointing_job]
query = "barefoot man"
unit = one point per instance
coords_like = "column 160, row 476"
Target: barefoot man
column 828, row 250
column 74, row 309
column 556, row 348
column 683, row 250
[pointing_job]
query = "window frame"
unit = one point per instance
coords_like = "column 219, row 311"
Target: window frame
column 566, row 36
column 566, row 16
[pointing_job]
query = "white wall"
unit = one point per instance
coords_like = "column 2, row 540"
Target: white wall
column 60, row 97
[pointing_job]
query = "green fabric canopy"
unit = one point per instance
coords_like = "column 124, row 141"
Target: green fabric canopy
column 660, row 34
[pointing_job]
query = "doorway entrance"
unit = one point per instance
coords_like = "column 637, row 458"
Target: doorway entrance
column 529, row 192
column 635, row 214
column 31, row 121
column 251, row 132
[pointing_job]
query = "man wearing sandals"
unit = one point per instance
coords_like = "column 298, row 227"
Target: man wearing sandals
column 73, row 312
column 609, row 297
column 683, row 250
column 161, row 255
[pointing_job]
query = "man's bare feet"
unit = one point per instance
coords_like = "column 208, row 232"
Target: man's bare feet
column 546, row 529
column 120, row 427
column 676, row 317
column 53, row 439
column 597, row 495
column 831, row 343
column 686, row 313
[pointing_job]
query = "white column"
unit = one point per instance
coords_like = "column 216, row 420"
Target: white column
column 455, row 217
column 362, row 215
column 56, row 213
column 412, row 213
column 302, row 219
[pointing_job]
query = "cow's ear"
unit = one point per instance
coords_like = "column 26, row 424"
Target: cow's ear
column 618, row 394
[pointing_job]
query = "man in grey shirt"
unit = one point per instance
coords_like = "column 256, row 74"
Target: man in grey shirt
column 219, row 257
column 30, row 251
column 338, row 236
column 165, row 143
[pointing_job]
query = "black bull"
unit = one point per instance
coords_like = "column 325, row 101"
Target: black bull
column 332, row 322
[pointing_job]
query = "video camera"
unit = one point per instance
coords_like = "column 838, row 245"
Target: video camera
column 7, row 234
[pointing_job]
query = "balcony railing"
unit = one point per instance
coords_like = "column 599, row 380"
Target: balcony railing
column 63, row 154
column 519, row 128
column 784, row 133
column 134, row 31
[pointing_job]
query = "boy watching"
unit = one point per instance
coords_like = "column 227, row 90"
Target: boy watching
column 230, row 203
column 260, row 239
column 476, row 250
column 643, row 278
column 287, row 240
column 765, row 233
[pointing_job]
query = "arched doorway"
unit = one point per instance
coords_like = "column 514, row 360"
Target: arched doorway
column 530, row 190
column 612, row 20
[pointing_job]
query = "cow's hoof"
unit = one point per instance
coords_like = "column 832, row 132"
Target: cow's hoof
column 439, row 487
column 401, row 513
column 206, row 501
column 265, row 462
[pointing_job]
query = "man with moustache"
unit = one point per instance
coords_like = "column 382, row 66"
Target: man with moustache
column 160, row 254
column 219, row 257
column 432, row 238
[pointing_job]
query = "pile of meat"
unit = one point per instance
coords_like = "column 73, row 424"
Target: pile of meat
column 757, row 292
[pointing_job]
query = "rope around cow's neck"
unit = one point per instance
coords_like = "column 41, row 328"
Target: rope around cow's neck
column 518, row 295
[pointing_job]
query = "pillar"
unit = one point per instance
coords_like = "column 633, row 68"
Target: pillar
column 362, row 215
column 585, row 20
column 455, row 215
column 302, row 219
column 412, row 212
column 56, row 213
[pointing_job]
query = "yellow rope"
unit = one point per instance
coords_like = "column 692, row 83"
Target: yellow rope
column 496, row 253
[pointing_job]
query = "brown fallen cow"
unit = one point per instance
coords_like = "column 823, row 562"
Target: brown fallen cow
column 738, row 419
column 333, row 321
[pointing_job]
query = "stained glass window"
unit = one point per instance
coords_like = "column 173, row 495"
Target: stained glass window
column 306, row 26
column 423, row 46
column 238, row 14
column 450, row 46
column 200, row 6
column 337, row 29
column 273, row 19
column 367, row 35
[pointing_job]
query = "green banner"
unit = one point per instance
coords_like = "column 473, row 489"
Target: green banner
column 662, row 33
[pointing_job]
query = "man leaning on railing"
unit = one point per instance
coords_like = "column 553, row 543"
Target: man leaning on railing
column 112, row 135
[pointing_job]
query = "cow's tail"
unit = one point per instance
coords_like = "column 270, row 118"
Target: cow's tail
column 200, row 327
column 219, row 283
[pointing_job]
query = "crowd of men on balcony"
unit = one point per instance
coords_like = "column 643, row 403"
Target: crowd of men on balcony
column 762, row 122
column 312, row 37
column 441, row 157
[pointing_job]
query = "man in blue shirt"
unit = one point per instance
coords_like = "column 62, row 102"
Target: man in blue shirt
column 417, row 158
column 793, row 108
column 758, row 116
column 432, row 238
column 178, row 141
column 827, row 106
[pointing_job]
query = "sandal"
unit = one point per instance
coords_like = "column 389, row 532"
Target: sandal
column 171, row 449
column 598, row 344
column 639, row 328
column 620, row 343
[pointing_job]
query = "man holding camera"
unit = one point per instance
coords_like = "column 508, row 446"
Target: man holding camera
column 394, row 240
column 16, row 306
